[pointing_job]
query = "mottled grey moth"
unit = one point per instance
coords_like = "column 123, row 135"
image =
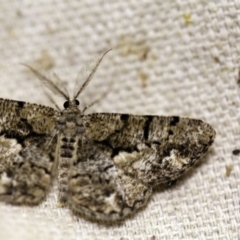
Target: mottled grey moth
column 106, row 163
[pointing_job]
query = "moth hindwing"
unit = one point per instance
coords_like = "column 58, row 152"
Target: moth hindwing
column 106, row 163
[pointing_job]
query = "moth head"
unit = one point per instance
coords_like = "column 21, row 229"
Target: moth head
column 59, row 89
column 71, row 103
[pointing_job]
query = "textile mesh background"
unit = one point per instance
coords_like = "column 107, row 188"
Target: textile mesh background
column 168, row 58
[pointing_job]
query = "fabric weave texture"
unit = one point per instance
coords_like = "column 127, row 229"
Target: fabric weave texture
column 169, row 58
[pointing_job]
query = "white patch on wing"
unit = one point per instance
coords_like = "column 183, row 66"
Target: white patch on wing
column 174, row 160
column 5, row 180
column 111, row 203
column 125, row 158
column 8, row 147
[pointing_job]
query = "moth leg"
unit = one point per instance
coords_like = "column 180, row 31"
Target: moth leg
column 25, row 172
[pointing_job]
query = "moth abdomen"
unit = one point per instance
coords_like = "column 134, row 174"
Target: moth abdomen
column 66, row 157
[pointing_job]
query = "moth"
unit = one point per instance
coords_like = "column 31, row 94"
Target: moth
column 106, row 164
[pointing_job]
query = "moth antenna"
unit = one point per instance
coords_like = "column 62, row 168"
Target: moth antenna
column 90, row 76
column 51, row 100
column 102, row 96
column 62, row 84
column 48, row 83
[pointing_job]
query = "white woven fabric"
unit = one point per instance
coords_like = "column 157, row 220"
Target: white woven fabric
column 169, row 58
